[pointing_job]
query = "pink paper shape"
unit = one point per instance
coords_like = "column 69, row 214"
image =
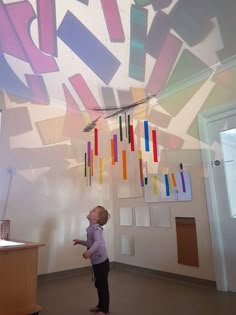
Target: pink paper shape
column 71, row 105
column 74, row 123
column 9, row 41
column 47, row 26
column 22, row 15
column 113, row 20
column 85, row 95
column 164, row 64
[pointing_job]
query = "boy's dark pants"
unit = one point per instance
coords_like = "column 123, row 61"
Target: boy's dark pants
column 101, row 283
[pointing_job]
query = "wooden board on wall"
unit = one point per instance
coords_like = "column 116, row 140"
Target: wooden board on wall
column 187, row 241
column 50, row 130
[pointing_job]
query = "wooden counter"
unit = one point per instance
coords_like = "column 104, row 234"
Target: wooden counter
column 18, row 278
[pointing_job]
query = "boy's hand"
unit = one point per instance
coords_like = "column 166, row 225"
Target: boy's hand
column 86, row 255
column 76, row 241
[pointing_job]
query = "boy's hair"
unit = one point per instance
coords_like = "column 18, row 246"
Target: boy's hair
column 103, row 216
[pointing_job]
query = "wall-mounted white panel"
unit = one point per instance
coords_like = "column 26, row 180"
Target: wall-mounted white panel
column 127, row 245
column 168, row 187
column 142, row 216
column 160, row 216
column 126, row 216
column 129, row 189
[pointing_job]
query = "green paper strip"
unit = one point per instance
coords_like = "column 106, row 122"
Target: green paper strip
column 120, row 123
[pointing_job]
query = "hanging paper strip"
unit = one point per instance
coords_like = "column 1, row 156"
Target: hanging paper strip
column 131, row 135
column 89, row 152
column 154, row 144
column 120, row 124
column 100, row 170
column 96, row 141
column 155, row 190
column 146, row 171
column 115, row 148
column 85, row 164
column 146, row 136
column 170, row 183
column 128, row 128
column 89, row 176
column 140, row 154
column 91, row 162
column 86, row 168
column 141, row 168
column 182, row 181
column 112, row 152
column 124, row 164
column 173, row 180
column 167, row 185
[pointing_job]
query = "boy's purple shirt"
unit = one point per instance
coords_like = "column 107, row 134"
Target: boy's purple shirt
column 95, row 244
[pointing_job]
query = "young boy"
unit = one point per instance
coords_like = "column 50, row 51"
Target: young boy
column 96, row 251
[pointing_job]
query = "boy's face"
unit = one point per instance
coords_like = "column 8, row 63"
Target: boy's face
column 94, row 214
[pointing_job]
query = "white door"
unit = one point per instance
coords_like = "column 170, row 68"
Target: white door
column 222, row 145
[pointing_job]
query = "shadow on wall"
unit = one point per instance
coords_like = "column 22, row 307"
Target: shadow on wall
column 47, row 237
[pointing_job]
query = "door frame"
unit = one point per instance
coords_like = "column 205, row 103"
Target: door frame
column 204, row 118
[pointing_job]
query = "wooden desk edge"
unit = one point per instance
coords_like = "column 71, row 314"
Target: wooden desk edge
column 26, row 245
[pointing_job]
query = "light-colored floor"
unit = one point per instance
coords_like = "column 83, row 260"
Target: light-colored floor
column 134, row 293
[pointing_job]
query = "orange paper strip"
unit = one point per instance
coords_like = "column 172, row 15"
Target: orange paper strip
column 173, row 180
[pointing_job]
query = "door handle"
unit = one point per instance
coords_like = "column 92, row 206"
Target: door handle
column 216, row 163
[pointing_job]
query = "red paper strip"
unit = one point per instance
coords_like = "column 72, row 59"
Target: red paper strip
column 131, row 134
column 154, row 144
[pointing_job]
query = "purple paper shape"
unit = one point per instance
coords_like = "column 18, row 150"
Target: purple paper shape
column 88, row 48
column 38, row 88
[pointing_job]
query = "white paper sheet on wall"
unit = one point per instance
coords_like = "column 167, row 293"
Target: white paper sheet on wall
column 168, row 187
column 127, row 245
column 160, row 216
column 126, row 217
column 142, row 216
column 127, row 189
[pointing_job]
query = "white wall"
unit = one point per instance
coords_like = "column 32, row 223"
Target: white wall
column 49, row 199
column 156, row 248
